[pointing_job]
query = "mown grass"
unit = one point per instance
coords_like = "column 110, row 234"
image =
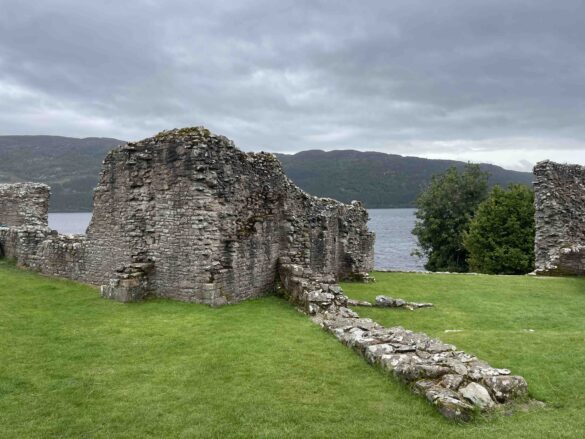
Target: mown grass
column 533, row 325
column 75, row 365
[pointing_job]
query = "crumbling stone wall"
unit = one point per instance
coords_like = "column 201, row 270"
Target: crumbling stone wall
column 186, row 215
column 24, row 204
column 559, row 192
column 24, row 211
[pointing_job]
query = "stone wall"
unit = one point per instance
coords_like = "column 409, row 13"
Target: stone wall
column 560, row 218
column 24, row 204
column 186, row 215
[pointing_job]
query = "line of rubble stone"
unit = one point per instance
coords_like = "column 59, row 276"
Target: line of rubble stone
column 389, row 302
column 457, row 383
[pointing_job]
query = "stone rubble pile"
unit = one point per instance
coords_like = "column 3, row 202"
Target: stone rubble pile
column 389, row 302
column 457, row 383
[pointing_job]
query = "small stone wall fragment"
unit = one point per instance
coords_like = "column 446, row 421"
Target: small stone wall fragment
column 24, row 204
column 389, row 302
column 559, row 197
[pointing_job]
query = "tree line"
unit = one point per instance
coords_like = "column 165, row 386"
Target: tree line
column 462, row 226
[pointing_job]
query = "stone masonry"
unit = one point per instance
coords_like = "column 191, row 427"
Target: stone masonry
column 24, row 204
column 559, row 193
column 188, row 216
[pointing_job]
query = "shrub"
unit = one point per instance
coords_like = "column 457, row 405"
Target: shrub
column 500, row 239
column 445, row 209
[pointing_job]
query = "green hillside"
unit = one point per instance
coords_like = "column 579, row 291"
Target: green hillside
column 377, row 179
column 71, row 167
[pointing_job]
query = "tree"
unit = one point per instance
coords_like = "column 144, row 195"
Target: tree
column 500, row 239
column 445, row 209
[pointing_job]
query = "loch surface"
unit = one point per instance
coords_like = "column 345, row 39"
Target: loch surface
column 394, row 240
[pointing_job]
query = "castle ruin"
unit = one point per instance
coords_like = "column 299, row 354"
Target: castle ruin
column 186, row 215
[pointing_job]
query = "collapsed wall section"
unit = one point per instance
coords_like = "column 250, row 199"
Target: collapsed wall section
column 559, row 193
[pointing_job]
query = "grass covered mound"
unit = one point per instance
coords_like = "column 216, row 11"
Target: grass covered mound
column 75, row 365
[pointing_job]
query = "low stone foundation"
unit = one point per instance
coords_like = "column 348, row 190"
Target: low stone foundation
column 458, row 384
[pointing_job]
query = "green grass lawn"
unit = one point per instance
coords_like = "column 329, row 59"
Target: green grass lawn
column 75, row 365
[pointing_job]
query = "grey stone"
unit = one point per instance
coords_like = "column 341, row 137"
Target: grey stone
column 452, row 381
column 24, row 204
column 414, row 371
column 421, row 387
column 389, row 302
column 477, row 395
column 375, row 352
column 391, row 361
column 504, row 388
column 450, row 404
column 384, row 301
column 352, row 302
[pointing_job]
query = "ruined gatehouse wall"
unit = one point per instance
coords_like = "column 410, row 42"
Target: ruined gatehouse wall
column 186, row 215
column 559, row 191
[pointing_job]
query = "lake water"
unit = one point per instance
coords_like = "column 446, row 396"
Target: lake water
column 394, row 242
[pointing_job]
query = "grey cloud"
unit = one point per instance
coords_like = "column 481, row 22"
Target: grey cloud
column 291, row 75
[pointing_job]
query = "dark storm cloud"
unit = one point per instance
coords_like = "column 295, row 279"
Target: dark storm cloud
column 464, row 79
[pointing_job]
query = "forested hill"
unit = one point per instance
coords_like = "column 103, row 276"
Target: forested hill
column 71, row 167
column 377, row 179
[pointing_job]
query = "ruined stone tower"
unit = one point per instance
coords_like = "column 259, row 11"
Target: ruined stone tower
column 186, row 215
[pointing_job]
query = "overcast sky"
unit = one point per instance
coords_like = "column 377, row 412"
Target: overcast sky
column 495, row 81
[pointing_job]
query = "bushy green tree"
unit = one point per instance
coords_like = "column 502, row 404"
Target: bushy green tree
column 444, row 211
column 500, row 239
